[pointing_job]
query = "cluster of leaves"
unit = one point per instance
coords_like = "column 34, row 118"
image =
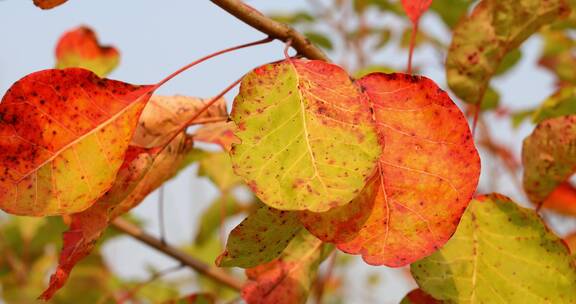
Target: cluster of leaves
column 383, row 166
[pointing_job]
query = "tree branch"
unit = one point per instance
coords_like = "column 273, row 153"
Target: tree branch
column 272, row 28
column 202, row 268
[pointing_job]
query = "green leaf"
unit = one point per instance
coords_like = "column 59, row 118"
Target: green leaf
column 260, row 238
column 501, row 253
column 293, row 18
column 211, row 218
column 308, row 141
column 562, row 103
column 320, row 39
column 491, row 99
column 557, row 54
column 549, row 156
column 482, row 40
column 509, row 61
column 218, row 168
column 451, row 10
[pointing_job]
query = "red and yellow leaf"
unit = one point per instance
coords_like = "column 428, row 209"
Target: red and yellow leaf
column 220, row 133
column 307, row 138
column 287, row 279
column 562, row 199
column 79, row 48
column 63, row 136
column 47, row 4
column 415, row 8
column 426, row 176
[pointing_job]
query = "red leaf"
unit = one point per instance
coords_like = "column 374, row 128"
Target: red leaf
column 418, row 296
column 79, row 48
column 47, row 4
column 562, row 199
column 415, row 8
column 426, row 176
column 63, row 136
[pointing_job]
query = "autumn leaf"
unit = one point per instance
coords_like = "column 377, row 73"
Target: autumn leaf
column 143, row 171
column 260, row 238
column 415, row 8
column 557, row 55
column 47, row 4
column 195, row 298
column 80, row 48
column 60, row 128
column 220, row 133
column 165, row 115
column 571, row 242
column 426, row 176
column 500, row 252
column 562, row 199
column 481, row 41
column 295, row 119
column 211, row 218
column 549, row 156
column 287, row 279
column 417, row 296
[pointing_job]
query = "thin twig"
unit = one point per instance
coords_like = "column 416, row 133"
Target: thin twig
column 272, row 28
column 202, row 268
column 161, row 215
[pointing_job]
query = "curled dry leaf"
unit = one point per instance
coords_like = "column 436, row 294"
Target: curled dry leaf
column 80, row 48
column 164, row 115
column 47, row 4
column 307, row 138
column 260, row 238
column 549, row 156
column 287, row 279
column 481, row 41
column 63, row 136
column 500, row 251
column 426, row 176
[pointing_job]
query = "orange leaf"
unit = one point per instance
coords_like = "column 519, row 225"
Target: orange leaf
column 426, row 176
column 63, row 136
column 47, row 4
column 570, row 240
column 79, row 48
column 562, row 199
column 415, row 8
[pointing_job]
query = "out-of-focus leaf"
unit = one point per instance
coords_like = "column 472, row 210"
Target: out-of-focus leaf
column 415, row 8
column 80, row 48
column 298, row 17
column 294, row 119
column 384, row 36
column 571, row 242
column 384, row 5
column 48, row 4
column 549, row 156
column 63, row 136
column 426, row 176
column 287, row 279
column 451, row 10
column 519, row 117
column 500, row 252
column 320, row 39
column 481, row 41
column 260, row 238
column 491, row 100
column 418, row 296
column 562, row 199
column 558, row 55
column 509, row 61
column 217, row 166
column 220, row 133
column 195, row 298
column 163, row 116
column 561, row 103
column 211, row 218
